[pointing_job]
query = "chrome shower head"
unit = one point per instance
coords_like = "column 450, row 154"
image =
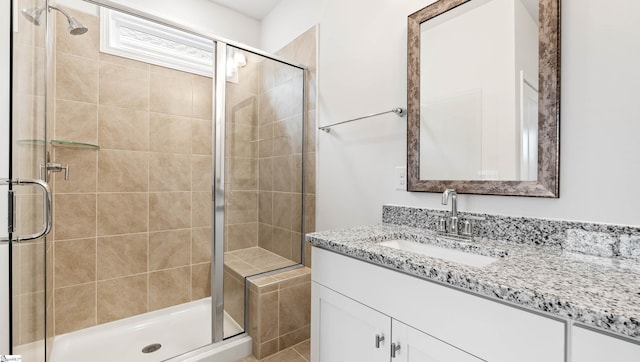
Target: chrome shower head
column 75, row 27
column 33, row 14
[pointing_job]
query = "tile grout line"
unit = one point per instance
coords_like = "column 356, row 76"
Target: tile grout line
column 299, row 354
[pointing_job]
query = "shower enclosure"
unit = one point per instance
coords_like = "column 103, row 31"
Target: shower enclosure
column 176, row 169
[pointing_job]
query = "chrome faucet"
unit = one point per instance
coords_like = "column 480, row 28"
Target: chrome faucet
column 453, row 219
column 452, row 226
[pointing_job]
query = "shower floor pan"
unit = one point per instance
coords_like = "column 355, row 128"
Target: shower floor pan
column 176, row 330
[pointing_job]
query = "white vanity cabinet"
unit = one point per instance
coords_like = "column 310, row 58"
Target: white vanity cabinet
column 349, row 331
column 590, row 346
column 352, row 301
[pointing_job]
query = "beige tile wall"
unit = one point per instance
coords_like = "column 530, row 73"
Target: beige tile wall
column 280, row 150
column 241, row 162
column 264, row 152
column 133, row 222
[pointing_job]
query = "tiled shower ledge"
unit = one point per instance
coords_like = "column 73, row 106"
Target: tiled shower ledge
column 601, row 292
column 254, row 260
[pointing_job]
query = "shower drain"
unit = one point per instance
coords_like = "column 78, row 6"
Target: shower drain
column 151, row 348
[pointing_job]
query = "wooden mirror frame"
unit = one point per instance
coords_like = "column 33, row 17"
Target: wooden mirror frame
column 548, row 181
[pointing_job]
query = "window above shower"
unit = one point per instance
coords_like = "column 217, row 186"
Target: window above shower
column 135, row 38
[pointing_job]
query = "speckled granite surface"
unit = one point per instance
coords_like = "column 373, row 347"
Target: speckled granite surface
column 587, row 238
column 597, row 291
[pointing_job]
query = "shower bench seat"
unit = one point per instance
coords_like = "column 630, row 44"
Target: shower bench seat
column 279, row 296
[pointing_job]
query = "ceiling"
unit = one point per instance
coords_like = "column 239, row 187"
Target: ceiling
column 256, row 9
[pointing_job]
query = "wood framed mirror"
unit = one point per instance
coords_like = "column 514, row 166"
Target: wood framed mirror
column 483, row 97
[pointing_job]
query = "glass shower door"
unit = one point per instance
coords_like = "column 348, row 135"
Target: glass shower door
column 29, row 288
column 263, row 174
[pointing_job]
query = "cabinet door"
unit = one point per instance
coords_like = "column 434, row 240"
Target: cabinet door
column 589, row 346
column 343, row 330
column 417, row 346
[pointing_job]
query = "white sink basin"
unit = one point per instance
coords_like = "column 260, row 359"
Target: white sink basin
column 432, row 251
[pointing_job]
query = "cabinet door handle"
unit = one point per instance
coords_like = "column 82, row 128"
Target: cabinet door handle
column 379, row 339
column 394, row 348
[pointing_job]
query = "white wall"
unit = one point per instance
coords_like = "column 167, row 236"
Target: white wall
column 362, row 69
column 197, row 14
column 288, row 19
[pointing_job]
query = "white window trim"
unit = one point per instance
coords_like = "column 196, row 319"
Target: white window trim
column 132, row 37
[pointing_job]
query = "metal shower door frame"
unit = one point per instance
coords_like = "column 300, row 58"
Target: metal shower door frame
column 219, row 144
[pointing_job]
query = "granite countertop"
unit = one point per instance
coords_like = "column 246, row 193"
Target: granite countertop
column 596, row 291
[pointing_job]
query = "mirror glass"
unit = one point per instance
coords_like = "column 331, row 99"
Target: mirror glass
column 477, row 79
column 479, row 92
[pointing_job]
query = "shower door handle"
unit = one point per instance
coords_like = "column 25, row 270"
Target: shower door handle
column 46, row 190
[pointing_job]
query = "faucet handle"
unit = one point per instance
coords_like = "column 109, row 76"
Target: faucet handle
column 54, row 167
column 442, row 225
column 466, row 228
